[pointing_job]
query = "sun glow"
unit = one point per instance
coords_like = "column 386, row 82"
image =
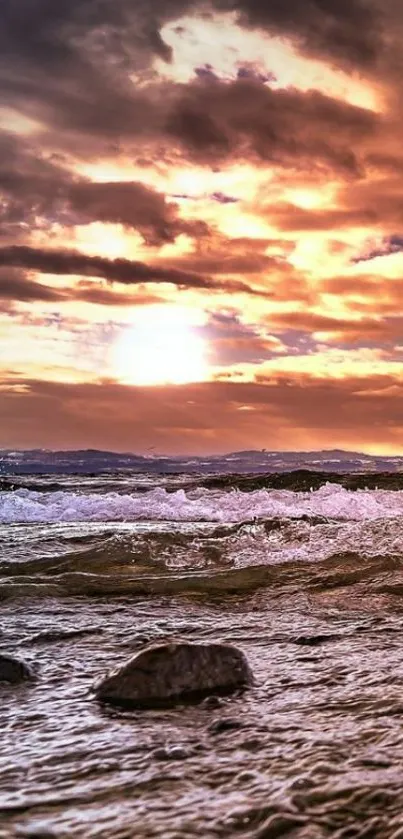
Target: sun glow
column 161, row 347
column 310, row 199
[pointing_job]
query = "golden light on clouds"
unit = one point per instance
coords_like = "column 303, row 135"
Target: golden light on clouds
column 326, row 363
column 225, row 46
column 95, row 239
column 218, row 198
column 310, row 199
column 17, row 123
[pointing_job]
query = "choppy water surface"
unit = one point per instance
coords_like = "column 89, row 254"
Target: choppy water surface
column 308, row 584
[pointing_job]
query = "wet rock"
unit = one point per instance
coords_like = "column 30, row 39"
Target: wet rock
column 218, row 726
column 313, row 640
column 212, row 703
column 171, row 753
column 14, row 670
column 165, row 674
column 247, row 776
column 308, row 659
column 53, row 635
column 35, row 831
column 279, row 825
column 252, row 744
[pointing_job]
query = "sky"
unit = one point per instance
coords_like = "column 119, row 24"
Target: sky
column 201, row 225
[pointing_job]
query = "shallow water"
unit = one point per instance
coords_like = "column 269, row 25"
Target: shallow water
column 308, row 585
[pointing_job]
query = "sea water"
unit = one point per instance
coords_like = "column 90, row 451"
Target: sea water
column 308, row 584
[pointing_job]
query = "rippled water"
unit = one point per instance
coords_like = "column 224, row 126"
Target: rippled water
column 308, row 584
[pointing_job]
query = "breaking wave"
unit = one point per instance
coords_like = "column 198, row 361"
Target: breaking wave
column 330, row 500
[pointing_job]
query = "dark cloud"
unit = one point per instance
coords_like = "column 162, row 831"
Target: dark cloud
column 133, row 205
column 215, row 121
column 209, row 123
column 96, row 43
column 36, row 190
column 126, row 271
column 30, row 185
column 262, row 261
column 246, row 71
column 343, row 30
column 220, row 197
column 365, row 331
column 391, row 244
column 223, row 199
column 17, row 287
column 232, row 342
column 249, row 71
column 72, row 59
column 221, row 255
column 14, row 286
column 206, row 72
column 223, row 262
column 285, row 412
column 73, row 73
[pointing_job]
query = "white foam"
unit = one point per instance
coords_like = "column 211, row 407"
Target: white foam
column 298, row 541
column 330, row 500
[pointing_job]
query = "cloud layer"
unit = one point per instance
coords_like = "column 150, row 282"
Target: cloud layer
column 238, row 161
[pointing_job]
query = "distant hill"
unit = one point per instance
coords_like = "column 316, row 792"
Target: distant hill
column 92, row 461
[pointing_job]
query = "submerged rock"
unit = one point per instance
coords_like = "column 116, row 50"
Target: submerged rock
column 14, row 670
column 171, row 753
column 165, row 674
column 226, row 724
column 313, row 640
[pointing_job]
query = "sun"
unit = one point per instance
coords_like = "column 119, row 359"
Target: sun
column 161, row 347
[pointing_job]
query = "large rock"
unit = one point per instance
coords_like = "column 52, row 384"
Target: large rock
column 14, row 670
column 165, row 674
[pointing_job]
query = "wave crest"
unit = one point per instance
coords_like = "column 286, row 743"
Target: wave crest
column 330, row 500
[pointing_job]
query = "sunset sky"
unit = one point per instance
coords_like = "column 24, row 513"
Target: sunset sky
column 201, row 224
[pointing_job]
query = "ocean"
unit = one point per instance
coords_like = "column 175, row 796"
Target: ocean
column 301, row 571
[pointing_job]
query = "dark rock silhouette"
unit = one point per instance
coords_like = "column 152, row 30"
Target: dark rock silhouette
column 163, row 675
column 14, row 670
column 222, row 725
column 313, row 640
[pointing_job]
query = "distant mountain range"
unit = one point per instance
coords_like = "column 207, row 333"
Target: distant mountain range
column 94, row 462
